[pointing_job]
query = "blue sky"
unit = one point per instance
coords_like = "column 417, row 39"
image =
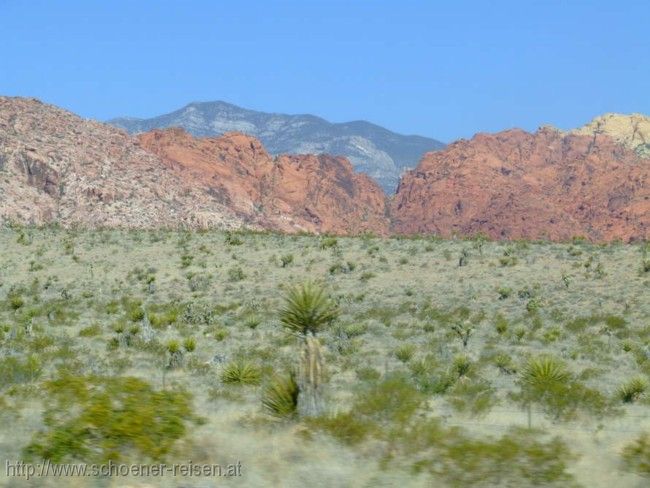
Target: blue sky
column 441, row 69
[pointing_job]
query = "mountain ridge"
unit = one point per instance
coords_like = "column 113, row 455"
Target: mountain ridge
column 550, row 184
column 372, row 149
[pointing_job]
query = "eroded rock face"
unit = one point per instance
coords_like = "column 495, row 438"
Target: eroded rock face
column 57, row 167
column 299, row 192
column 514, row 185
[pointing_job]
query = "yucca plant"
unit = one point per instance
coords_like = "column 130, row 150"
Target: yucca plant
column 307, row 309
column 544, row 371
column 633, row 390
column 242, row 373
column 541, row 377
column 280, row 397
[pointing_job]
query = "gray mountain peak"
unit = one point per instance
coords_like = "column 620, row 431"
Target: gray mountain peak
column 371, row 149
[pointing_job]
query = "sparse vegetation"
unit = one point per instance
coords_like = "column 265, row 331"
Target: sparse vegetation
column 408, row 365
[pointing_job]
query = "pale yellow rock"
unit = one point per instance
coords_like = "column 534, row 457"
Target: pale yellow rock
column 631, row 130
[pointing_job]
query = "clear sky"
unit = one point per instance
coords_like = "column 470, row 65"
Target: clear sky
column 441, row 69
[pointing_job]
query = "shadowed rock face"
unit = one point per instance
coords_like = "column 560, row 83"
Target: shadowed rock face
column 298, row 192
column 516, row 185
column 57, row 167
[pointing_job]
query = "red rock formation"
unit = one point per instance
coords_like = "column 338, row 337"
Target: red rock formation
column 57, row 167
column 287, row 193
column 516, row 185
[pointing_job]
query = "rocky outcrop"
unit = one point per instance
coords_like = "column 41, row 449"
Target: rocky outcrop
column 288, row 193
column 632, row 130
column 516, row 185
column 57, row 167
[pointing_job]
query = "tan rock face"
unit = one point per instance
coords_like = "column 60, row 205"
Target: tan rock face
column 518, row 185
column 309, row 193
column 632, row 130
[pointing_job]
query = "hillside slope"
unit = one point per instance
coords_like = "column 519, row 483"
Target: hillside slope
column 58, row 167
column 515, row 185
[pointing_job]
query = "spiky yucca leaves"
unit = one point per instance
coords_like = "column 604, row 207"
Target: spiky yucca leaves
column 307, row 309
column 280, row 398
column 633, row 390
column 241, row 372
column 544, row 372
column 541, row 378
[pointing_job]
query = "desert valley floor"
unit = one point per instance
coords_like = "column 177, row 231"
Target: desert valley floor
column 428, row 366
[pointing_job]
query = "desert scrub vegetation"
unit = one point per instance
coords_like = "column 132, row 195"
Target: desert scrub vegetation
column 97, row 419
column 383, row 356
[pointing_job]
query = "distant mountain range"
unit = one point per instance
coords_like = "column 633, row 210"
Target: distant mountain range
column 374, row 150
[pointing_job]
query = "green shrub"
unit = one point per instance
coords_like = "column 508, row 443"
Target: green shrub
column 16, row 301
column 504, row 363
column 97, row 419
column 405, row 352
column 236, row 273
column 328, row 242
column 286, row 260
column 241, row 373
column 280, row 397
column 501, row 324
column 636, row 455
column 546, row 381
column 17, row 370
column 189, row 344
column 346, row 427
column 504, row 293
column 186, row 260
column 516, row 459
column 90, row 331
column 633, row 390
column 472, row 397
column 232, row 239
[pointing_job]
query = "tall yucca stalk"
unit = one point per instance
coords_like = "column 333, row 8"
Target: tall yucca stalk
column 306, row 311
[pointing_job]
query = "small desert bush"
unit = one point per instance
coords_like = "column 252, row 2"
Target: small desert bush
column 633, row 390
column 91, row 331
column 241, row 373
column 280, row 396
column 97, row 419
column 17, row 370
column 405, row 352
column 472, row 397
column 516, row 459
column 636, row 455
